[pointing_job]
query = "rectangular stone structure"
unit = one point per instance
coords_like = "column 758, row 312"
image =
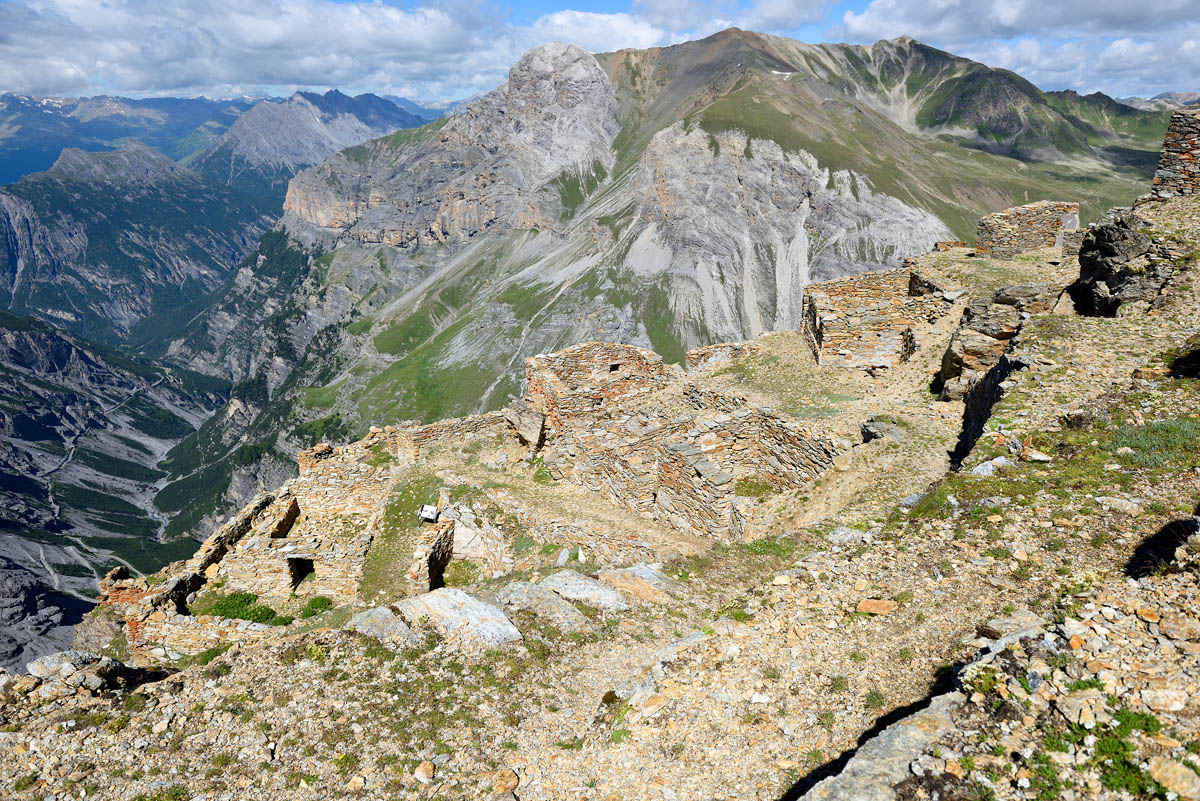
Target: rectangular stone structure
column 1034, row 226
column 586, row 378
column 865, row 321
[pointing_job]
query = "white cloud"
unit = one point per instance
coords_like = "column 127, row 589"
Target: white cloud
column 228, row 46
column 598, row 32
column 781, row 15
column 451, row 48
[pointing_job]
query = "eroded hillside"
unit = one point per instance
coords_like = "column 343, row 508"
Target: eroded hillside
column 734, row 580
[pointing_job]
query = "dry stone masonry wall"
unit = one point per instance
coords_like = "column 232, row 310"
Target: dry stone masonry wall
column 866, row 321
column 1034, row 226
column 674, row 456
column 1178, row 170
column 588, row 377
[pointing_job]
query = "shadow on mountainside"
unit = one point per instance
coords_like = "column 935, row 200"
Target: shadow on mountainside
column 1156, row 553
column 944, row 682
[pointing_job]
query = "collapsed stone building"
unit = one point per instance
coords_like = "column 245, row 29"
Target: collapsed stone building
column 866, row 321
column 676, row 454
column 612, row 418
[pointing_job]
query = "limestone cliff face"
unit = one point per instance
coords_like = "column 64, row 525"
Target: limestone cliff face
column 740, row 226
column 486, row 168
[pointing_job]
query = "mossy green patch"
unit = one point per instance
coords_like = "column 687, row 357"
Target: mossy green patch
column 387, row 561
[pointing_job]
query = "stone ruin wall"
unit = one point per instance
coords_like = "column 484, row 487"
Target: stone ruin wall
column 1072, row 241
column 865, row 321
column 435, row 548
column 337, row 512
column 711, row 400
column 1034, row 226
column 583, row 379
column 325, row 518
column 454, row 430
column 685, row 471
column 1178, row 172
column 163, row 632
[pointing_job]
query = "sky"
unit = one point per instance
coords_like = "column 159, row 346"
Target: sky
column 450, row 49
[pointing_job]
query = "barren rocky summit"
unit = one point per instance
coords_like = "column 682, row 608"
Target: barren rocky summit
column 937, row 543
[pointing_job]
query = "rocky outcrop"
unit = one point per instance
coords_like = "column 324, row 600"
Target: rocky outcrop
column 884, row 760
column 987, row 327
column 466, row 621
column 487, row 168
column 1120, row 263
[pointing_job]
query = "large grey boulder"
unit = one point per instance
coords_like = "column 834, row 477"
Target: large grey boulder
column 576, row 587
column 883, row 761
column 644, row 582
column 987, row 327
column 384, row 625
column 544, row 603
column 463, row 620
column 528, row 421
column 62, row 663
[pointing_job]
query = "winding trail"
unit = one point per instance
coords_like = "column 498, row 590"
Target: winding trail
column 91, row 423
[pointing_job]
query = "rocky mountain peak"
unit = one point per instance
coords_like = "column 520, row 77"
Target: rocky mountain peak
column 560, row 107
column 134, row 163
column 554, row 119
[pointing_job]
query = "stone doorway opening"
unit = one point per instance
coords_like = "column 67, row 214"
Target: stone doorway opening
column 299, row 570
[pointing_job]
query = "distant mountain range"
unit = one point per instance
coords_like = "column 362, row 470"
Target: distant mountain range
column 272, row 141
column 1161, row 102
column 33, row 131
column 109, row 246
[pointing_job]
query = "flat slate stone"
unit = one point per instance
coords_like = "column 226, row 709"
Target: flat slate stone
column 644, row 582
column 384, row 625
column 460, row 618
column 52, row 665
column 576, row 587
column 544, row 603
column 883, row 761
